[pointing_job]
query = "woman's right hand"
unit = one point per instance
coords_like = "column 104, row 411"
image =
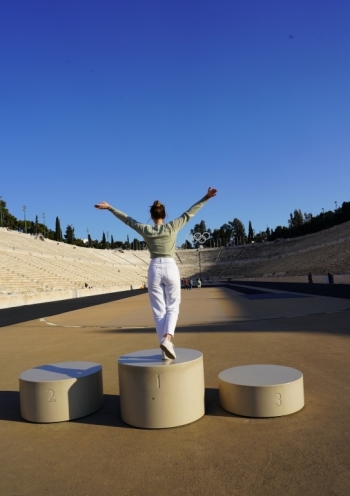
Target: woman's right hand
column 102, row 205
column 211, row 192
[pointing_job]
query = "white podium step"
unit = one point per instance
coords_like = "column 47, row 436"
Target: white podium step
column 156, row 393
column 261, row 390
column 60, row 391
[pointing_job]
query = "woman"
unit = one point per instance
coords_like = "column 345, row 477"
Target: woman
column 164, row 286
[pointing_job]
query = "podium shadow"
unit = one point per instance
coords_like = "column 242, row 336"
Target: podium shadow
column 9, row 406
column 212, row 404
column 108, row 415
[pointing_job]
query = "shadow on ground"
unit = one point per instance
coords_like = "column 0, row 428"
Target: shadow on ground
column 108, row 415
column 9, row 406
column 337, row 323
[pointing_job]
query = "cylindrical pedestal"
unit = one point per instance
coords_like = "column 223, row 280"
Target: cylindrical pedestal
column 261, row 390
column 156, row 393
column 60, row 391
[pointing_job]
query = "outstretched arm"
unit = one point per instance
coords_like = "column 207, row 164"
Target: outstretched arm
column 121, row 216
column 186, row 216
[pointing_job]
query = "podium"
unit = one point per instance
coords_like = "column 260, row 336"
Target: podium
column 158, row 394
column 261, row 390
column 60, row 391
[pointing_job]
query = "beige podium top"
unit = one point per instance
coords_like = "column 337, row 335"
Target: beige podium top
column 153, row 358
column 60, row 371
column 260, row 375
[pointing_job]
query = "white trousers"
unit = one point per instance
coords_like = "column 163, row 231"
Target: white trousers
column 164, row 290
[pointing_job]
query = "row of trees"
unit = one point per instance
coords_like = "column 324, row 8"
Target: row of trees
column 232, row 232
column 37, row 228
column 299, row 224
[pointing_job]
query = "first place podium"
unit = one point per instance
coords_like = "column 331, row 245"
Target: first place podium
column 158, row 394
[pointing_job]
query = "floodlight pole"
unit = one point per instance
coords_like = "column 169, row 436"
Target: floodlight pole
column 44, row 224
column 200, row 238
column 25, row 223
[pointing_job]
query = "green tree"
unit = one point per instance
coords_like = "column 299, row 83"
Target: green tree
column 199, row 228
column 238, row 231
column 103, row 241
column 6, row 219
column 225, row 234
column 2, row 205
column 89, row 241
column 296, row 219
column 261, row 237
column 250, row 233
column 307, row 217
column 135, row 244
column 186, row 245
column 345, row 211
column 279, row 232
column 58, row 231
column 69, row 234
column 112, row 242
column 79, row 242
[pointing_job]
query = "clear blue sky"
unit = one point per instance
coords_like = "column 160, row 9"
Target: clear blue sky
column 129, row 101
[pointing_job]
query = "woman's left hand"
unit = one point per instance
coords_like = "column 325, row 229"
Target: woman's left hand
column 102, row 205
column 211, row 192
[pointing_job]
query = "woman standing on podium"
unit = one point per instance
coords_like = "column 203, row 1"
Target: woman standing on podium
column 164, row 287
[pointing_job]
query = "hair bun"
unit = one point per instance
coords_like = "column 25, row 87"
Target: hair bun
column 158, row 210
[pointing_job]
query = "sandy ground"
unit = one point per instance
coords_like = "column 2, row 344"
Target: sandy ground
column 306, row 453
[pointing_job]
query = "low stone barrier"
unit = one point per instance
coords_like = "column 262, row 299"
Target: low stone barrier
column 338, row 279
column 18, row 300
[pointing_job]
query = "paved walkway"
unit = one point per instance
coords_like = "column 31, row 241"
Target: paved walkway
column 306, row 453
column 205, row 306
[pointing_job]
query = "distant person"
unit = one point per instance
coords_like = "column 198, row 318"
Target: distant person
column 309, row 276
column 191, row 283
column 164, row 287
column 199, row 283
column 330, row 278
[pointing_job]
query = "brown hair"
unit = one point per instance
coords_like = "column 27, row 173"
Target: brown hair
column 157, row 210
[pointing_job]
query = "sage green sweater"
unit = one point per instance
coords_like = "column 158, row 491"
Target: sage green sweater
column 160, row 239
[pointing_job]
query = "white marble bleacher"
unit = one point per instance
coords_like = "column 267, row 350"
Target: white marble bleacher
column 189, row 266
column 325, row 251
column 137, row 260
column 30, row 265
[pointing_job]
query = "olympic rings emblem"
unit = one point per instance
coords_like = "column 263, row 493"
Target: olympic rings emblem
column 200, row 237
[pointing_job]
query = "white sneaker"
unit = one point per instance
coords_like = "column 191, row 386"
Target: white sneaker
column 168, row 348
column 164, row 357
